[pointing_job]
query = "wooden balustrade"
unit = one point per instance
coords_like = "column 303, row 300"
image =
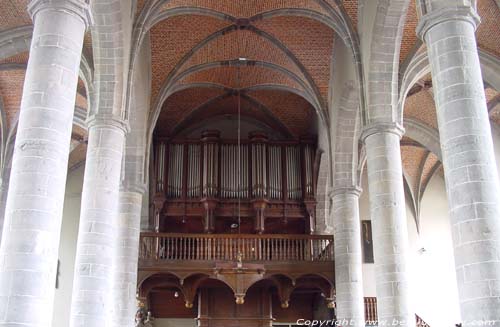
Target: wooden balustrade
column 227, row 247
column 371, row 309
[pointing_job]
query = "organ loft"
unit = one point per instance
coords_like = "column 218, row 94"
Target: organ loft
column 249, row 163
column 234, row 228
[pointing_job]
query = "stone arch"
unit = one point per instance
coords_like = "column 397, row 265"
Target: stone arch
column 323, row 223
column 232, row 28
column 152, row 14
column 419, row 66
column 347, row 138
column 147, row 19
column 256, row 103
column 109, row 55
column 384, row 61
column 168, row 90
column 310, row 96
column 423, row 134
column 135, row 172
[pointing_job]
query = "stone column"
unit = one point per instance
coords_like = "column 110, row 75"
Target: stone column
column 468, row 157
column 348, row 256
column 28, row 255
column 4, row 188
column 390, row 232
column 92, row 285
column 127, row 253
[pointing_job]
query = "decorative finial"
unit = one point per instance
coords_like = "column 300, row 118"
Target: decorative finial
column 240, row 299
column 239, row 258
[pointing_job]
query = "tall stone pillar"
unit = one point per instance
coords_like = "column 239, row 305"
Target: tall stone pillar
column 28, row 254
column 468, row 157
column 390, row 232
column 127, row 253
column 4, row 188
column 92, row 284
column 348, row 256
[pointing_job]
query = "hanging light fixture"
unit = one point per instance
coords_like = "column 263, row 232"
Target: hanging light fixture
column 238, row 77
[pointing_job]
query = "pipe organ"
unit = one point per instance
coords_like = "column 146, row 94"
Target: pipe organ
column 269, row 179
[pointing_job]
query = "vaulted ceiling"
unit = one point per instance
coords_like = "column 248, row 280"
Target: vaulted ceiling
column 278, row 60
column 287, row 47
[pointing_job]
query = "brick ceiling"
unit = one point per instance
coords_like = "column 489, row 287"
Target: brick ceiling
column 247, row 8
column 488, row 32
column 294, row 53
column 419, row 166
column 272, row 107
column 306, row 40
column 13, row 14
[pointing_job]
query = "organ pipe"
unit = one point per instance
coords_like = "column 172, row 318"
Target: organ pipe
column 175, row 170
column 160, row 167
column 210, row 141
column 209, row 168
column 308, row 162
column 275, row 172
column 293, row 167
column 259, row 164
column 194, row 157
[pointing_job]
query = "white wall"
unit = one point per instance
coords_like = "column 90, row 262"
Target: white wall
column 364, row 214
column 433, row 281
column 495, row 131
column 67, row 247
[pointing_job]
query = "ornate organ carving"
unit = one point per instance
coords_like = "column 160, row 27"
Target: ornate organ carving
column 270, row 179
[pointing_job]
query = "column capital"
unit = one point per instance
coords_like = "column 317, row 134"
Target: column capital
column 376, row 128
column 351, row 190
column 80, row 8
column 441, row 15
column 133, row 187
column 108, row 121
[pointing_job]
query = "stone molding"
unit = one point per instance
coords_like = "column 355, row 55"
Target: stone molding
column 353, row 190
column 438, row 16
column 79, row 8
column 133, row 187
column 376, row 128
column 108, row 121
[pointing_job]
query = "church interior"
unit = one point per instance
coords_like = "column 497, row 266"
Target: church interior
column 249, row 163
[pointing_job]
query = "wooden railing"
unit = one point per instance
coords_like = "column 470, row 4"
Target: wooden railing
column 371, row 316
column 229, row 247
column 371, row 309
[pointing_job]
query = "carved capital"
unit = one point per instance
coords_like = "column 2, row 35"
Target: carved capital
column 80, row 8
column 376, row 128
column 102, row 120
column 441, row 15
column 353, row 190
column 133, row 187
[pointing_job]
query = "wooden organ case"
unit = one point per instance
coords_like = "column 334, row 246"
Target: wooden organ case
column 200, row 188
column 233, row 241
